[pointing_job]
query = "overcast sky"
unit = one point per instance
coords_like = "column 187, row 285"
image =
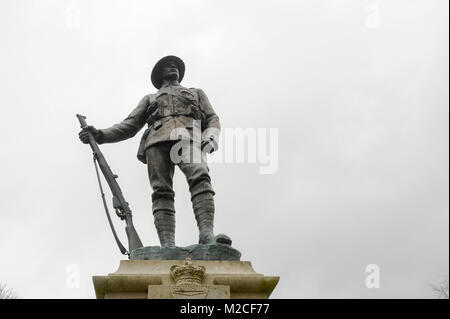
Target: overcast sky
column 357, row 89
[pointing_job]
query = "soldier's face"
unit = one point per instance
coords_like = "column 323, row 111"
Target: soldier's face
column 170, row 71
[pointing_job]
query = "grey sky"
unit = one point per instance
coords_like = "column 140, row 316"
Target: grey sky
column 357, row 89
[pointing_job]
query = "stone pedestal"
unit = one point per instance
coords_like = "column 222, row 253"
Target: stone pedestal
column 174, row 279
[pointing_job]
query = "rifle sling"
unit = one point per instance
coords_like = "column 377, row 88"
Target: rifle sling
column 123, row 250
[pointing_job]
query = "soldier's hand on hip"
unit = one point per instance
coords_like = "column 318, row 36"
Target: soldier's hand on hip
column 84, row 135
column 208, row 146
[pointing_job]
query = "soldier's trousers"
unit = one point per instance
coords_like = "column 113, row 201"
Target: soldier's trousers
column 160, row 170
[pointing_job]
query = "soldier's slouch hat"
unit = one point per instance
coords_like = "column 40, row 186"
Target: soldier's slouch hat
column 158, row 68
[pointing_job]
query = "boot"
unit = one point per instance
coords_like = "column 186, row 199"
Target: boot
column 203, row 205
column 165, row 226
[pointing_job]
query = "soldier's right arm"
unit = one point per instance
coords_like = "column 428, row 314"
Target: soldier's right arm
column 129, row 126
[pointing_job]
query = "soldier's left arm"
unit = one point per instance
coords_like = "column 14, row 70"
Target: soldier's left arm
column 211, row 122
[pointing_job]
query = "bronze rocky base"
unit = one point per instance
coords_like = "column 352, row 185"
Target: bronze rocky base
column 219, row 250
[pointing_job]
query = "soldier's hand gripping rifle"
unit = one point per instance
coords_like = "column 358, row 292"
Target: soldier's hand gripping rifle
column 119, row 203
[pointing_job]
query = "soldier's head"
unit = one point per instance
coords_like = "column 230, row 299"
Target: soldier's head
column 170, row 71
column 169, row 68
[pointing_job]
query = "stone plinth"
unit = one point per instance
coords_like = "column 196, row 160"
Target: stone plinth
column 172, row 279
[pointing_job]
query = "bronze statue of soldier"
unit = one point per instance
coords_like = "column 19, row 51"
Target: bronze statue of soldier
column 172, row 108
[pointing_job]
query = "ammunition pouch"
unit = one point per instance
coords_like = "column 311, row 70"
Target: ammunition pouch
column 185, row 105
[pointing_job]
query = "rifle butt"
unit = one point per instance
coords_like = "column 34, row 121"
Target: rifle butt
column 134, row 241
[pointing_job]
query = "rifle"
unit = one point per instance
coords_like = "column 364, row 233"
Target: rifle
column 119, row 203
